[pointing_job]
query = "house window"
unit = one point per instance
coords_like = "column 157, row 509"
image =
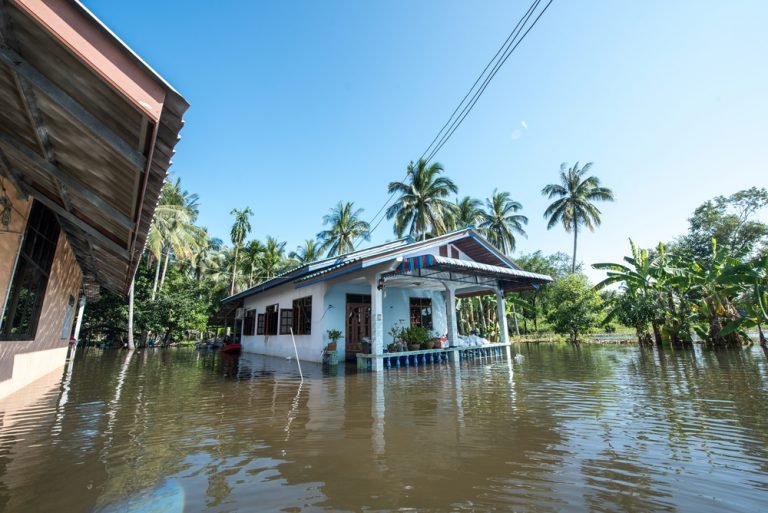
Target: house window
column 421, row 312
column 22, row 310
column 249, row 323
column 66, row 328
column 270, row 320
column 260, row 324
column 443, row 251
column 286, row 321
column 302, row 316
column 454, row 252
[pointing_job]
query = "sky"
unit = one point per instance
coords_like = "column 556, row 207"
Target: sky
column 296, row 105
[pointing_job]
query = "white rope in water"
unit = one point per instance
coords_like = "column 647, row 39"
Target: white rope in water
column 296, row 352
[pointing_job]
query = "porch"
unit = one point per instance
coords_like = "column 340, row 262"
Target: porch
column 447, row 278
column 425, row 357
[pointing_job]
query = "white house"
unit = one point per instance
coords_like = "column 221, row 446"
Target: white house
column 365, row 294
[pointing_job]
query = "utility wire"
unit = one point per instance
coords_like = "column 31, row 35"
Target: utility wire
column 479, row 77
column 468, row 108
column 453, row 123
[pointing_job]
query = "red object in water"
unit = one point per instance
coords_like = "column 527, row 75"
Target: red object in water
column 231, row 348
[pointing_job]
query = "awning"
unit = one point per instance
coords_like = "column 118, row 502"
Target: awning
column 473, row 274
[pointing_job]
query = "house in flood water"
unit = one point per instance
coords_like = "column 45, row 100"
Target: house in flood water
column 367, row 293
column 87, row 131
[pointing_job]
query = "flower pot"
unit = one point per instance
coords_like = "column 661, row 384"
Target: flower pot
column 331, row 346
column 429, row 344
column 414, row 347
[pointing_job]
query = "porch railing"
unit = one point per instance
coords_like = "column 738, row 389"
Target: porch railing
column 433, row 356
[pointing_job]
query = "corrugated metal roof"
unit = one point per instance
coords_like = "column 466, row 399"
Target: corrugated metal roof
column 488, row 268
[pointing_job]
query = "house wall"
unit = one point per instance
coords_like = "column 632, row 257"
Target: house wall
column 309, row 347
column 24, row 361
column 329, row 312
column 396, row 308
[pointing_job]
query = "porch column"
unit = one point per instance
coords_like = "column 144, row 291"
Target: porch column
column 501, row 311
column 377, row 325
column 79, row 321
column 450, row 313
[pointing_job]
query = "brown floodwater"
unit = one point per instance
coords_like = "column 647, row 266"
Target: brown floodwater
column 596, row 428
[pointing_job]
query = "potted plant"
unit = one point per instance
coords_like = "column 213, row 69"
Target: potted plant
column 333, row 336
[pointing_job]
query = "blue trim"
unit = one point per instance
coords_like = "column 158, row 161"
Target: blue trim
column 328, row 276
column 493, row 250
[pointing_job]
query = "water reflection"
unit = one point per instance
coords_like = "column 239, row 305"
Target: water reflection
column 556, row 429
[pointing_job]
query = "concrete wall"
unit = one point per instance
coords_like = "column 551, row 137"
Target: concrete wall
column 309, row 347
column 24, row 361
column 329, row 312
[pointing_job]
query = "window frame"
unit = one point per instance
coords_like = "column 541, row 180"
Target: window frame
column 271, row 319
column 302, row 316
column 33, row 266
column 249, row 323
column 286, row 321
column 418, row 304
column 260, row 320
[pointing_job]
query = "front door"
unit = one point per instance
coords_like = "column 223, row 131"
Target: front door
column 358, row 324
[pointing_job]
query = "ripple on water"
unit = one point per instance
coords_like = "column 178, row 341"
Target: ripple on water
column 563, row 429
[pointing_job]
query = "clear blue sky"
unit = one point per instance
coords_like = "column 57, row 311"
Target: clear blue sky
column 296, row 105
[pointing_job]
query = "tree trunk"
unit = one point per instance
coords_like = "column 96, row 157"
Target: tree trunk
column 471, row 326
column 763, row 341
column 482, row 317
column 130, row 317
column 575, row 234
column 157, row 276
column 657, row 333
column 165, row 268
column 234, row 273
column 514, row 316
column 535, row 315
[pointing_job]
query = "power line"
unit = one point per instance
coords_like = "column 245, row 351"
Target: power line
column 501, row 48
column 467, row 109
column 506, row 49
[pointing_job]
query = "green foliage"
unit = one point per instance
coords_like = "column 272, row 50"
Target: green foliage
column 574, row 205
column 501, row 221
column 334, row 335
column 573, row 306
column 346, row 227
column 422, row 206
column 732, row 221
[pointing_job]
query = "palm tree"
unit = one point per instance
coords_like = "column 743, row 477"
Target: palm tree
column 500, row 222
column 253, row 252
column 240, row 229
column 173, row 229
column 421, row 207
column 345, row 228
column 308, row 252
column 271, row 260
column 467, row 212
column 575, row 206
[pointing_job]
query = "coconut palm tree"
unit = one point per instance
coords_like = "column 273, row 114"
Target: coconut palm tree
column 173, row 229
column 467, row 212
column 422, row 205
column 252, row 252
column 345, row 228
column 271, row 260
column 500, row 221
column 576, row 193
column 240, row 229
column 306, row 253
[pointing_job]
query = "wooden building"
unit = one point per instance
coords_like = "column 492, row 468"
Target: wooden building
column 87, row 132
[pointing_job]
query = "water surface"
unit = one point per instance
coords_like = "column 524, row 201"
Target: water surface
column 558, row 429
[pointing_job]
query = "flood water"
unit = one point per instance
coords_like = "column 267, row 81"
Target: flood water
column 596, row 428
